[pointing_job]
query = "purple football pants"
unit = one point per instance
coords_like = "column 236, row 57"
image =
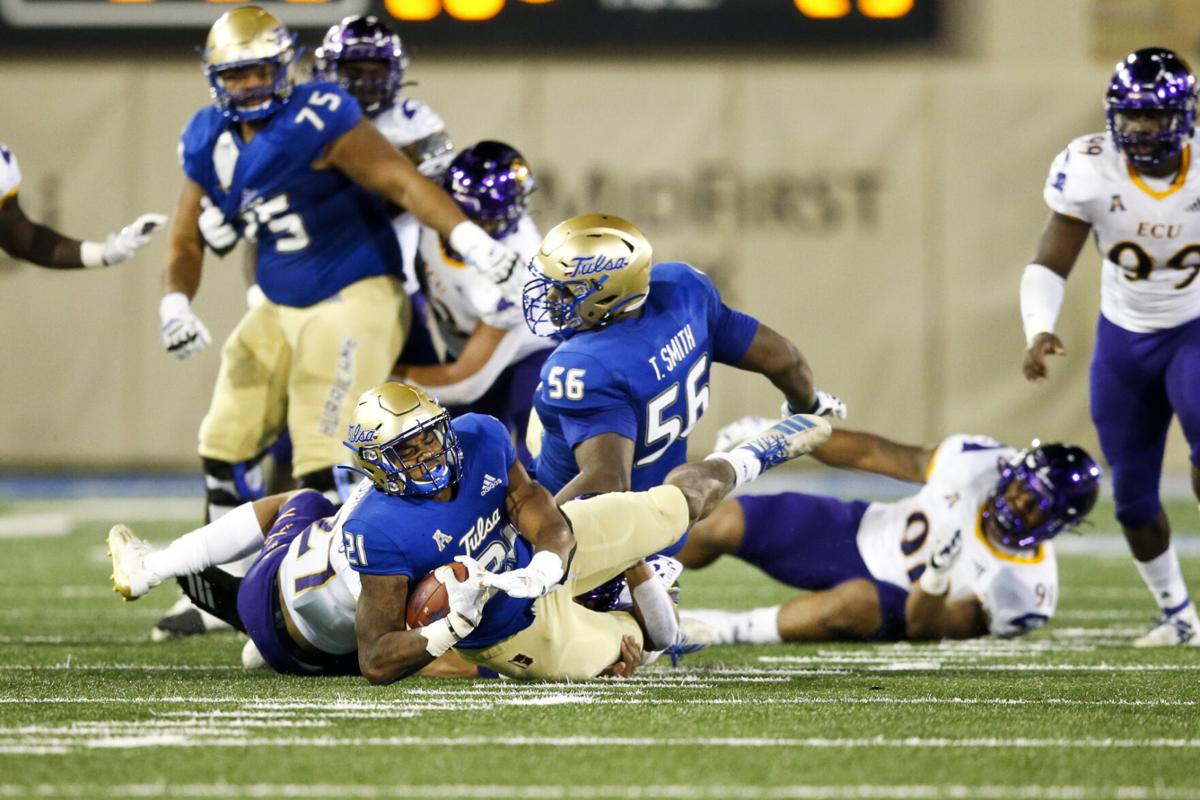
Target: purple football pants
column 1138, row 382
column 811, row 542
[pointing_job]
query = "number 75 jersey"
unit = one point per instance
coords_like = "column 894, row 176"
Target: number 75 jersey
column 644, row 378
column 1147, row 231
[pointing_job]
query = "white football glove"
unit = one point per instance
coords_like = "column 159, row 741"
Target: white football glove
column 466, row 598
column 255, row 296
column 828, row 405
column 945, row 546
column 182, row 332
column 541, row 577
column 739, row 431
column 121, row 246
column 218, row 234
column 484, row 253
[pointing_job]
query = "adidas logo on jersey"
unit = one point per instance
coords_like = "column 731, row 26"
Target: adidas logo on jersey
column 489, row 483
column 1194, row 205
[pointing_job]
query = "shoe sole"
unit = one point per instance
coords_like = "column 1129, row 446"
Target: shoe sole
column 118, row 538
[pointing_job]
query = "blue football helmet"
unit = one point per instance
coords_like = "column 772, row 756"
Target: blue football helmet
column 1151, row 105
column 491, row 182
column 246, row 37
column 357, row 39
column 403, row 441
column 1064, row 480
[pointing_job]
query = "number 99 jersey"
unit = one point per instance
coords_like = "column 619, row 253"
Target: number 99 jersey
column 10, row 174
column 1147, row 231
column 644, row 378
column 316, row 230
column 1017, row 588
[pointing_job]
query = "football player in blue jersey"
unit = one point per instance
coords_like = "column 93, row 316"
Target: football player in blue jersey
column 619, row 396
column 21, row 237
column 442, row 491
column 298, row 170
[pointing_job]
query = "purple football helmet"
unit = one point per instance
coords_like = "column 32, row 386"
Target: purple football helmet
column 1063, row 478
column 491, row 182
column 359, row 39
column 1151, row 105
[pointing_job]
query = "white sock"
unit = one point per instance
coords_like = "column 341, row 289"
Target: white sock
column 746, row 465
column 759, row 626
column 1164, row 578
column 235, row 535
column 658, row 612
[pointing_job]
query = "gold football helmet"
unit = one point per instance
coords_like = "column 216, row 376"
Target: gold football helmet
column 248, row 36
column 402, row 440
column 590, row 269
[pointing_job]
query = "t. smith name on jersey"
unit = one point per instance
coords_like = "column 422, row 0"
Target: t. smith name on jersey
column 675, row 351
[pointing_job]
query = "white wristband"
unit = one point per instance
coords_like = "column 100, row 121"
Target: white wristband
column 439, row 636
column 934, row 582
column 466, row 236
column 91, row 254
column 1042, row 291
column 172, row 305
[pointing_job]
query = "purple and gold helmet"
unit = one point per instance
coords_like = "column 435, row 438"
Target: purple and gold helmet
column 1151, row 84
column 362, row 38
column 1065, row 481
column 491, row 182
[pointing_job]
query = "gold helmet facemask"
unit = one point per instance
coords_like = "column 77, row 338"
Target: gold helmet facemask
column 589, row 270
column 403, row 441
column 248, row 37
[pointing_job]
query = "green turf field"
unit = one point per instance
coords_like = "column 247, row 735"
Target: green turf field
column 90, row 708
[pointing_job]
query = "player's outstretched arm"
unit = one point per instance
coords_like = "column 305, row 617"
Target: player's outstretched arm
column 1043, row 286
column 39, row 244
column 870, row 453
column 182, row 333
column 387, row 651
column 781, row 362
column 485, row 355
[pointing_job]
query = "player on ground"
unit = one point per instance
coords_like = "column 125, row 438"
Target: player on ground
column 620, row 395
column 967, row 555
column 445, row 490
column 1134, row 190
column 493, row 360
column 293, row 168
column 21, row 237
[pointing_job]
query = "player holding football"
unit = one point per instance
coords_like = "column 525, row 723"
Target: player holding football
column 21, row 237
column 967, row 555
column 1133, row 189
column 298, row 170
column 493, row 360
column 298, row 602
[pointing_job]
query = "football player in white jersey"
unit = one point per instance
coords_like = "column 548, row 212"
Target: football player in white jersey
column 967, row 555
column 21, row 237
column 493, row 359
column 1134, row 190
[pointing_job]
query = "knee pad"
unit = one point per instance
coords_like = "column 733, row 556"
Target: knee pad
column 227, row 486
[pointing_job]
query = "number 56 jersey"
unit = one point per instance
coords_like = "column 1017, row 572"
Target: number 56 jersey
column 316, row 230
column 1018, row 588
column 1147, row 231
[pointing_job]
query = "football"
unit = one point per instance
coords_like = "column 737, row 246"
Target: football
column 428, row 601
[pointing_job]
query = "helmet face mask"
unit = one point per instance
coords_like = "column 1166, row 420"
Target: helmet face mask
column 249, row 60
column 491, row 182
column 1042, row 491
column 364, row 57
column 590, row 270
column 1151, row 106
column 403, row 441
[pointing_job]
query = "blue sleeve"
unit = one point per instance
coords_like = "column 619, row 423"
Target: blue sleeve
column 589, row 398
column 336, row 111
column 379, row 554
column 194, row 154
column 730, row 331
column 496, row 431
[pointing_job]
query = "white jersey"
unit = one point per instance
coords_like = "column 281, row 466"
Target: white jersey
column 407, row 122
column 462, row 297
column 319, row 586
column 1147, row 231
column 1018, row 588
column 10, row 173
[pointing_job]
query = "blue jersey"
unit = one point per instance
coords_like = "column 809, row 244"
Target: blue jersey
column 316, row 230
column 644, row 378
column 412, row 536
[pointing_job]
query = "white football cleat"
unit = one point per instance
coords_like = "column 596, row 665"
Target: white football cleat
column 131, row 579
column 789, row 438
column 251, row 658
column 1178, row 630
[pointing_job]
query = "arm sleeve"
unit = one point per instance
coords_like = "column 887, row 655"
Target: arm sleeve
column 947, row 459
column 730, row 331
column 590, row 399
column 1069, row 185
column 10, row 174
column 1011, row 605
